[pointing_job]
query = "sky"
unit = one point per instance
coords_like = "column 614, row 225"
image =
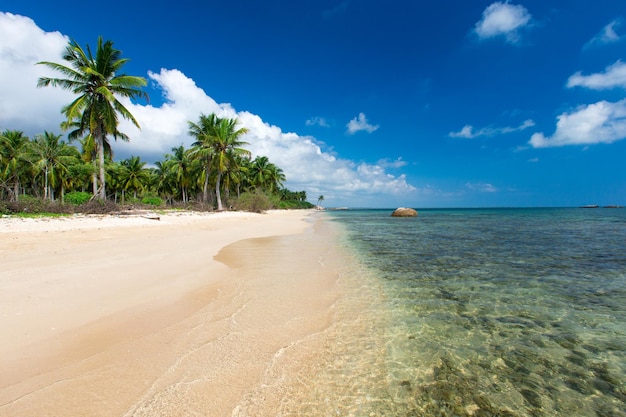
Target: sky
column 425, row 104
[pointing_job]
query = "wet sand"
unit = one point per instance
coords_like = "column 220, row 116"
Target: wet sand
column 212, row 315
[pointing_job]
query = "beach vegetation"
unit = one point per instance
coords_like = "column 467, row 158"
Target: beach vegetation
column 49, row 173
column 52, row 158
column 77, row 197
column 219, row 146
column 255, row 201
column 13, row 158
column 152, row 200
column 98, row 82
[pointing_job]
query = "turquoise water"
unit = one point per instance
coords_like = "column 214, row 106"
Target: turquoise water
column 497, row 312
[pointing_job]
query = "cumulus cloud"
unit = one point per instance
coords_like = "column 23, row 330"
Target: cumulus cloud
column 503, row 19
column 305, row 163
column 317, row 121
column 396, row 163
column 607, row 35
column 612, row 77
column 360, row 123
column 23, row 106
column 602, row 122
column 468, row 131
column 481, row 187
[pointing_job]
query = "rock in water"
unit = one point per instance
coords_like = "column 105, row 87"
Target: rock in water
column 404, row 212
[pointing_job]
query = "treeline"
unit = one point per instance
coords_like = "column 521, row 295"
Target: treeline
column 216, row 171
column 49, row 168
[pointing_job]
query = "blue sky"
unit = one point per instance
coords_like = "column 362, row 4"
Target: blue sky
column 453, row 103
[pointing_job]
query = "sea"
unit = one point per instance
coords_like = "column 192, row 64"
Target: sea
column 487, row 312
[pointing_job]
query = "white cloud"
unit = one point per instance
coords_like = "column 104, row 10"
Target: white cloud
column 317, row 121
column 613, row 76
column 360, row 123
column 306, row 165
column 481, row 187
column 602, row 122
column 607, row 35
column 396, row 163
column 468, row 130
column 503, row 19
column 23, row 106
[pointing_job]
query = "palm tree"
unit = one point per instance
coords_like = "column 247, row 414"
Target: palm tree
column 52, row 157
column 13, row 155
column 202, row 148
column 217, row 145
column 97, row 81
column 266, row 175
column 132, row 175
column 320, row 199
column 89, row 156
column 181, row 165
column 259, row 171
column 276, row 178
column 227, row 147
column 163, row 180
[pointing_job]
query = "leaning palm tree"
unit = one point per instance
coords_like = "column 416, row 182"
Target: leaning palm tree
column 320, row 199
column 97, row 81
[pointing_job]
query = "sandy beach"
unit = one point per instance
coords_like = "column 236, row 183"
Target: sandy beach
column 191, row 314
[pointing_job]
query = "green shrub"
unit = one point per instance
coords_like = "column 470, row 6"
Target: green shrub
column 98, row 206
column 254, row 201
column 152, row 200
column 77, row 197
column 29, row 204
column 293, row 204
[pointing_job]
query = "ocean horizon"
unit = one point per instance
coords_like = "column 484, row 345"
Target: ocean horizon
column 490, row 312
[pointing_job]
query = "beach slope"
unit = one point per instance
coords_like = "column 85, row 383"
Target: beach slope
column 185, row 315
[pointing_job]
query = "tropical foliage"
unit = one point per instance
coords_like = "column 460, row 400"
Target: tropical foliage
column 49, row 168
column 98, row 83
column 215, row 172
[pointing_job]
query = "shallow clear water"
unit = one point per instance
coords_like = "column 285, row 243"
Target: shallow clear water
column 517, row 312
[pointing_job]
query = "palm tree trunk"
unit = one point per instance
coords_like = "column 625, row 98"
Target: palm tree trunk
column 16, row 189
column 220, row 207
column 102, row 189
column 46, row 188
column 205, row 190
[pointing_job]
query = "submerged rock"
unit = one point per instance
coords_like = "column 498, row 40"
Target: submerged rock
column 404, row 212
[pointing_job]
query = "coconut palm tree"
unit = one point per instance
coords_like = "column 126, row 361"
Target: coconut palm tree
column 180, row 164
column 98, row 82
column 259, row 171
column 132, row 175
column 227, row 147
column 163, row 180
column 13, row 157
column 52, row 157
column 266, row 175
column 320, row 199
column 202, row 148
column 217, row 145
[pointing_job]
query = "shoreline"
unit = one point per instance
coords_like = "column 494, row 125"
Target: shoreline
column 157, row 317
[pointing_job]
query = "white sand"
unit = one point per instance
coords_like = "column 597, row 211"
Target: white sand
column 131, row 316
